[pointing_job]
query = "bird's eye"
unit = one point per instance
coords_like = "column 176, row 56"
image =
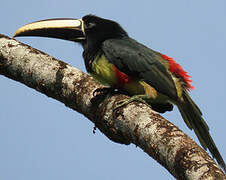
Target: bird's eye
column 90, row 25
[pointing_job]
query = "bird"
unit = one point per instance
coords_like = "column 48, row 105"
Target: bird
column 115, row 59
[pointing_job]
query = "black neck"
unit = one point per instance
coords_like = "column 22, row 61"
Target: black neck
column 91, row 50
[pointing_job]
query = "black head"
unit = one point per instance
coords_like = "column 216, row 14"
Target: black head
column 102, row 29
column 98, row 29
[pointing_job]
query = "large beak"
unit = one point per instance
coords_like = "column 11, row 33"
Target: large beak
column 64, row 28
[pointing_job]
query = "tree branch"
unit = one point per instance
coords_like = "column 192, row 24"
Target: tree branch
column 134, row 123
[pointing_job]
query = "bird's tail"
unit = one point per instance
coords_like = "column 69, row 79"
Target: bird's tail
column 193, row 118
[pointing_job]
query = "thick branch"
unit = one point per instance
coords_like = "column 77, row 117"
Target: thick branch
column 135, row 123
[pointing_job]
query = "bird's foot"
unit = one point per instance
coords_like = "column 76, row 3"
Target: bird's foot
column 138, row 98
column 100, row 94
column 103, row 91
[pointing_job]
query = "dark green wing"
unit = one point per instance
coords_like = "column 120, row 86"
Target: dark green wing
column 136, row 60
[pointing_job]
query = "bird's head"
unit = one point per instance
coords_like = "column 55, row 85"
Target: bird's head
column 89, row 28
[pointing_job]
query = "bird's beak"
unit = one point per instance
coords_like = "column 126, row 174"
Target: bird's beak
column 64, row 28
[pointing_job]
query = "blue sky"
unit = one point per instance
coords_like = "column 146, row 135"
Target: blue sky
column 41, row 139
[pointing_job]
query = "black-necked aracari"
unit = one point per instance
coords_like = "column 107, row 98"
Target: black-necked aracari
column 116, row 60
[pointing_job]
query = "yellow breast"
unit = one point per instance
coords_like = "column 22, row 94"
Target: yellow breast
column 103, row 71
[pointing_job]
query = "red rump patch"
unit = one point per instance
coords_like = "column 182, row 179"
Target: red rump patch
column 178, row 71
column 122, row 78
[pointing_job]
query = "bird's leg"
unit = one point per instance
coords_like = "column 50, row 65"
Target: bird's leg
column 139, row 98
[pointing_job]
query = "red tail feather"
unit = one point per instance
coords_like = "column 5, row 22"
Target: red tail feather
column 176, row 68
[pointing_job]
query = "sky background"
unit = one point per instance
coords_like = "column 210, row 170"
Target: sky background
column 41, row 139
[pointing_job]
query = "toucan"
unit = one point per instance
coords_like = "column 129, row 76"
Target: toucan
column 115, row 59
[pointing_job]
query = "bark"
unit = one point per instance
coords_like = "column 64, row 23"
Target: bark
column 134, row 123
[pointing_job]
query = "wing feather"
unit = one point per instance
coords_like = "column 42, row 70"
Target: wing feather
column 138, row 61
